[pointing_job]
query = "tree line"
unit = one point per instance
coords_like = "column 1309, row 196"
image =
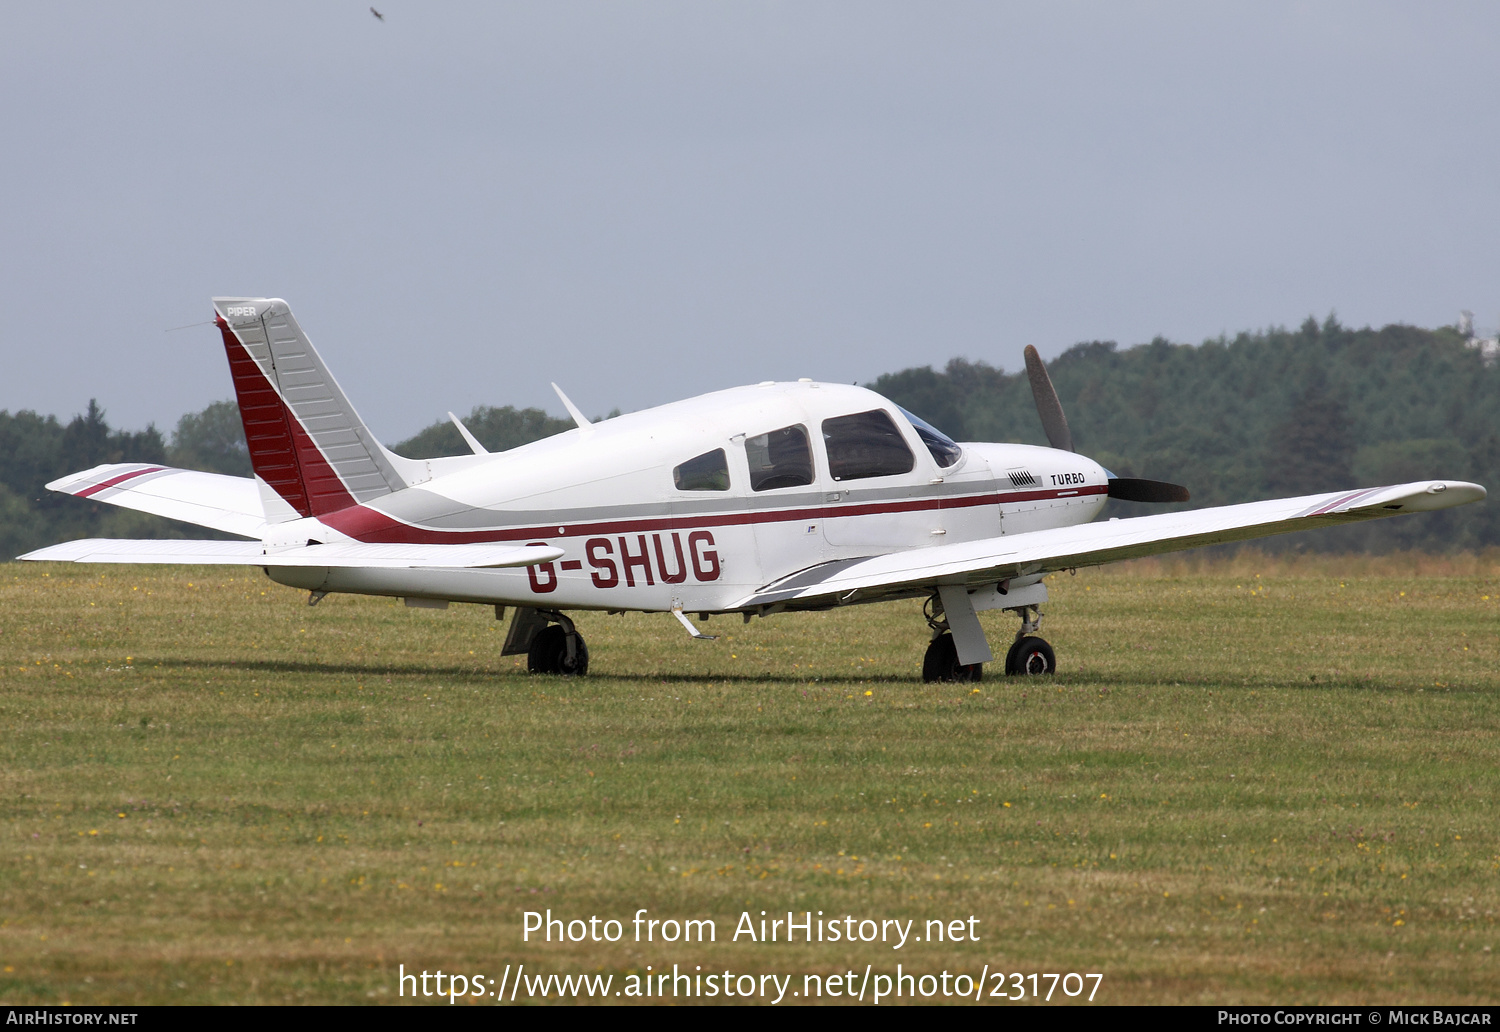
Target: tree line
column 1261, row 415
column 1278, row 412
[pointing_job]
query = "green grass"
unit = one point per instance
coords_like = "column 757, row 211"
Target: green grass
column 1240, row 789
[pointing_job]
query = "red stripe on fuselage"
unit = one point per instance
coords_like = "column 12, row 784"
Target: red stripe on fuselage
column 366, row 524
column 89, row 492
column 281, row 452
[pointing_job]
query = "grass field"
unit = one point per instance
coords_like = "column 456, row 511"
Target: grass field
column 1255, row 780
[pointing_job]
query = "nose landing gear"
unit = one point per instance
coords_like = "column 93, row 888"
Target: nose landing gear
column 1030, row 654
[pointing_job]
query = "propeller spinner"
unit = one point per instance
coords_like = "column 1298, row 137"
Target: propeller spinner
column 1128, row 489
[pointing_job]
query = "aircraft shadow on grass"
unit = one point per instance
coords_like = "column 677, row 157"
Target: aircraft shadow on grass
column 1004, row 691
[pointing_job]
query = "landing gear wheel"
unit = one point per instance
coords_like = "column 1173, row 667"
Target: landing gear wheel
column 1030, row 656
column 941, row 662
column 549, row 653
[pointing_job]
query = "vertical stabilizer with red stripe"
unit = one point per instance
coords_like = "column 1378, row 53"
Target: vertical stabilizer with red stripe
column 307, row 444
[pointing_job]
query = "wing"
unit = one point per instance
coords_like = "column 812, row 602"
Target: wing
column 988, row 561
column 253, row 553
column 230, row 504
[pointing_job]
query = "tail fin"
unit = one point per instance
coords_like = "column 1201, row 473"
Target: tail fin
column 306, row 441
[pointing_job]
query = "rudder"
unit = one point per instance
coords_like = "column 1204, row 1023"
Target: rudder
column 306, row 441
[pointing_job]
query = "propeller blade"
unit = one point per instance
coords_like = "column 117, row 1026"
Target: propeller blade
column 1130, row 489
column 1047, row 405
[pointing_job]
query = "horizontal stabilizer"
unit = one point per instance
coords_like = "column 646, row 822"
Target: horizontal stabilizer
column 352, row 554
column 230, row 504
column 991, row 560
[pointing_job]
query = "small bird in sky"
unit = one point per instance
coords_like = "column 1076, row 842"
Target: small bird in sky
column 377, row 14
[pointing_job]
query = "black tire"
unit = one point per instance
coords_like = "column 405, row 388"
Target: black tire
column 549, row 653
column 1030, row 657
column 941, row 662
column 580, row 665
column 546, row 649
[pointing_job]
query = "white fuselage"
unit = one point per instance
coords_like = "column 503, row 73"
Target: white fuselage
column 633, row 539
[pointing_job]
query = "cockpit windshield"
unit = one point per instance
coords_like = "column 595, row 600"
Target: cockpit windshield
column 945, row 451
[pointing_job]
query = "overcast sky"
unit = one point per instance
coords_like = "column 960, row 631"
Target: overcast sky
column 644, row 201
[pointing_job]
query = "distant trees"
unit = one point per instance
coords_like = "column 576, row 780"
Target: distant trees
column 1261, row 414
column 211, row 440
column 1311, row 449
column 36, row 449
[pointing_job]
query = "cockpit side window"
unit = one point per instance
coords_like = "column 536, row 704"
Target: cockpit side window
column 945, row 451
column 706, row 472
column 866, row 444
column 781, row 458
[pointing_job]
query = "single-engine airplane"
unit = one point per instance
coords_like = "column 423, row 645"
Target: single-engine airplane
column 751, row 501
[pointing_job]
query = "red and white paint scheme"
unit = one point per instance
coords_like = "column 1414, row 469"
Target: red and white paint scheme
column 754, row 500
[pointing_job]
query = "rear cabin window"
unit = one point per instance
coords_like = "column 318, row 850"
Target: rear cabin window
column 781, row 458
column 706, row 472
column 866, row 444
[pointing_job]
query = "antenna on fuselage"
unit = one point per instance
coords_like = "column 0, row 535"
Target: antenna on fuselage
column 469, row 439
column 578, row 417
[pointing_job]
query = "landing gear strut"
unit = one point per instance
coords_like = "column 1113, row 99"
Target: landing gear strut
column 941, row 661
column 1030, row 654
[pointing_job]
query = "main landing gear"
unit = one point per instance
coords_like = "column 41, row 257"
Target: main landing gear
column 941, row 661
column 558, row 649
column 550, row 641
column 1029, row 655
